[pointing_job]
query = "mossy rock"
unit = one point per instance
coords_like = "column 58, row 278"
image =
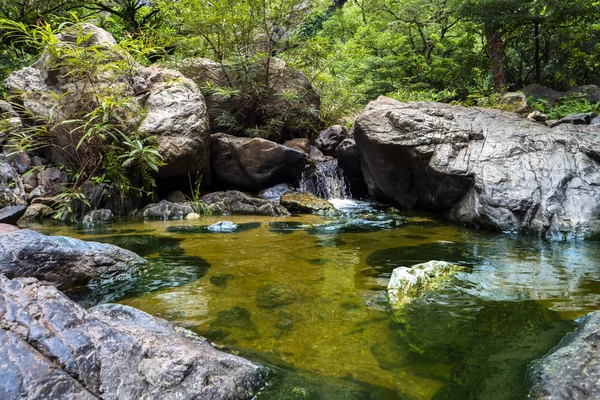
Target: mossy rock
column 303, row 202
column 407, row 284
column 272, row 296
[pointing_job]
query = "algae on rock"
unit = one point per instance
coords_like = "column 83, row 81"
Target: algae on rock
column 407, row 284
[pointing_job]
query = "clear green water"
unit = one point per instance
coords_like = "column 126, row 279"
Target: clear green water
column 306, row 296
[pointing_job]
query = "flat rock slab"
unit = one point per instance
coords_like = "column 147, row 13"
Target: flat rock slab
column 571, row 370
column 52, row 348
column 63, row 261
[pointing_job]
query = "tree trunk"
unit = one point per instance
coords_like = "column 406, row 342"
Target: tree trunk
column 538, row 67
column 497, row 54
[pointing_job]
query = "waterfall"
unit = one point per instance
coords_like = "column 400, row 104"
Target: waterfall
column 325, row 179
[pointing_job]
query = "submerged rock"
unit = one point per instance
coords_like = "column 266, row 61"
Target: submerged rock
column 54, row 349
column 304, row 202
column 223, row 227
column 66, row 262
column 571, row 370
column 275, row 295
column 409, row 283
column 482, row 167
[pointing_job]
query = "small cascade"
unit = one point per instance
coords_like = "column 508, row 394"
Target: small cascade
column 326, row 180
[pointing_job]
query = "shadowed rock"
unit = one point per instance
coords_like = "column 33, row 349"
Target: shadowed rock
column 572, row 370
column 10, row 215
column 64, row 261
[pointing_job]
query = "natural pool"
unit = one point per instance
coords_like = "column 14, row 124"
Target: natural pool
column 305, row 295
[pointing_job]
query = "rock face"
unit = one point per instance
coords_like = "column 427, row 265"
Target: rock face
column 54, row 349
column 537, row 91
column 12, row 191
column 254, row 164
column 349, row 160
column 10, row 215
column 303, row 202
column 572, row 370
column 407, row 284
column 298, row 114
column 64, row 261
column 175, row 109
column 482, row 167
column 330, row 139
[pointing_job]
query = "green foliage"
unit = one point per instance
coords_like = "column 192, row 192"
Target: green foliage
column 197, row 205
column 93, row 125
column 564, row 107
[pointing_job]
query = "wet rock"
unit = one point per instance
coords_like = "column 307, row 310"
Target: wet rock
column 219, row 227
column 12, row 191
column 572, row 369
column 36, row 212
column 176, row 196
column 275, row 295
column 223, row 227
column 481, row 167
column 274, row 193
column 234, row 202
column 357, row 225
column 303, row 202
column 167, row 210
column 11, row 214
column 110, row 351
column 102, row 216
column 516, row 102
column 254, row 164
column 407, row 284
column 64, row 261
column 349, row 160
column 330, row 139
column 286, row 227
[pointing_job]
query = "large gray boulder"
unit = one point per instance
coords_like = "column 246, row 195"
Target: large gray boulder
column 481, row 167
column 572, row 369
column 254, row 164
column 52, row 348
column 66, row 262
column 161, row 103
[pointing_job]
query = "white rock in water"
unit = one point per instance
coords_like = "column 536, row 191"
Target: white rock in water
column 407, row 284
column 223, row 226
column 192, row 216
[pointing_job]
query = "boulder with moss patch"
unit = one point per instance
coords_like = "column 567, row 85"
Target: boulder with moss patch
column 407, row 284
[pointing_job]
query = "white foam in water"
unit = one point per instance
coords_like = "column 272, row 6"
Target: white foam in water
column 326, row 180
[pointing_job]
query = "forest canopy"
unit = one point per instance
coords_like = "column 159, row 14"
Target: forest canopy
column 352, row 51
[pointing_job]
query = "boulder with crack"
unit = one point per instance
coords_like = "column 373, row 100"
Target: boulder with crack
column 54, row 349
column 482, row 167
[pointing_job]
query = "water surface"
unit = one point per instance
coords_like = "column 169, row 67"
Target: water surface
column 306, row 296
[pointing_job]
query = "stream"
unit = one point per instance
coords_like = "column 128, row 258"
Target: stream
column 306, row 296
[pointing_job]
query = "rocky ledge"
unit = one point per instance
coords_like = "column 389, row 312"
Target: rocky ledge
column 52, row 348
column 64, row 261
column 572, row 369
column 482, row 167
